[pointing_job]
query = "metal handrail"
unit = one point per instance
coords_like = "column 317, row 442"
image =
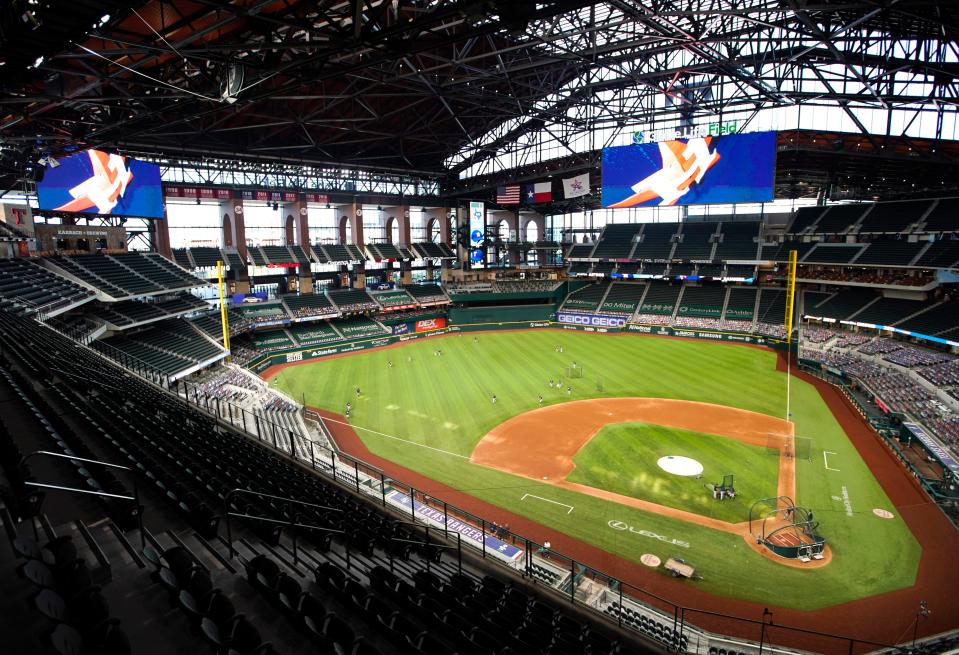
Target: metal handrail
column 136, row 489
column 293, row 524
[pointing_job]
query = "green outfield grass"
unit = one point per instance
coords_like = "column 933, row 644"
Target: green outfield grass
column 622, row 458
column 444, row 402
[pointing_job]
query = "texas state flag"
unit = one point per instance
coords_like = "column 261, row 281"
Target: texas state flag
column 539, row 192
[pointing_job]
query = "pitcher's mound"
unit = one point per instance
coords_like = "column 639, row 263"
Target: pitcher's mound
column 679, row 465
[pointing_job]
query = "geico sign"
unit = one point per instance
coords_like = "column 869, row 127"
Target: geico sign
column 622, row 526
column 595, row 321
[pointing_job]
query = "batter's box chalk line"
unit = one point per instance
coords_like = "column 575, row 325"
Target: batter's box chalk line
column 571, row 508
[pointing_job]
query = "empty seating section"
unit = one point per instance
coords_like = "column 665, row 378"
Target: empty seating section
column 894, row 216
column 889, row 311
column 320, row 254
column 696, row 241
column 300, row 255
column 182, row 257
column 233, row 259
column 660, row 299
column 128, row 274
column 587, row 298
column 890, row 252
column 308, row 304
column 804, row 218
column 386, row 251
column 579, row 268
column 738, row 241
column 183, row 302
column 256, row 256
column 604, row 267
column 772, row 306
column 657, row 241
column 33, row 287
column 944, row 217
column 940, row 318
column 702, row 302
column 832, row 253
column 394, row 298
column 839, row 218
column 429, row 250
column 338, row 253
column 168, row 346
column 623, row 298
column 278, row 255
column 160, row 269
column 273, row 340
column 352, row 300
column 128, row 312
column 943, row 253
column 780, row 252
column 426, row 293
column 812, row 298
column 314, row 333
column 741, row 304
column 617, row 241
column 206, row 257
column 359, row 327
column 355, row 252
column 580, row 250
column 843, row 305
column 210, row 326
column 105, row 275
column 122, row 347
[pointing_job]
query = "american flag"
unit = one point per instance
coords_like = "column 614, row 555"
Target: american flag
column 507, row 195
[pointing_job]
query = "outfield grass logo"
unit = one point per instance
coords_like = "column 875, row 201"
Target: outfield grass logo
column 622, row 526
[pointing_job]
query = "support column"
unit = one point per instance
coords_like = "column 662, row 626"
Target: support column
column 161, row 235
column 356, row 211
column 302, row 235
column 403, row 217
column 234, row 236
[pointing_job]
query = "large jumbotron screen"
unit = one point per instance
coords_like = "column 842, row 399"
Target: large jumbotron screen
column 697, row 171
column 96, row 182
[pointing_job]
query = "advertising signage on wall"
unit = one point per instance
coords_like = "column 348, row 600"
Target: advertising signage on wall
column 704, row 170
column 477, row 227
column 592, row 320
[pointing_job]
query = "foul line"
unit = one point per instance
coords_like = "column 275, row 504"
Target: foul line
column 825, row 460
column 390, row 436
column 549, row 501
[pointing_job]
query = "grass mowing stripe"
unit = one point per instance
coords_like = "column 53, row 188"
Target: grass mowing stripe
column 871, row 555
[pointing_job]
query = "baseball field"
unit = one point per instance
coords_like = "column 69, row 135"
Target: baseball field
column 586, row 449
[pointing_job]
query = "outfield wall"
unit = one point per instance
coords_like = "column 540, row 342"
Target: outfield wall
column 410, row 333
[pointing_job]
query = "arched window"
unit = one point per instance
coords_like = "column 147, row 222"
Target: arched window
column 392, row 230
column 433, row 232
column 532, row 231
column 503, row 230
column 346, row 230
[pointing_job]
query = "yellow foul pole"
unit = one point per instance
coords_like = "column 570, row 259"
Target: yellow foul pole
column 224, row 319
column 790, row 295
column 790, row 305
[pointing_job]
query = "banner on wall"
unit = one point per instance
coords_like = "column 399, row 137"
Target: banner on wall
column 429, row 324
column 592, row 320
column 477, row 227
column 712, row 169
column 401, row 328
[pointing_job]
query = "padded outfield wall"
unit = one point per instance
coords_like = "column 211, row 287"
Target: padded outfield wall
column 500, row 318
